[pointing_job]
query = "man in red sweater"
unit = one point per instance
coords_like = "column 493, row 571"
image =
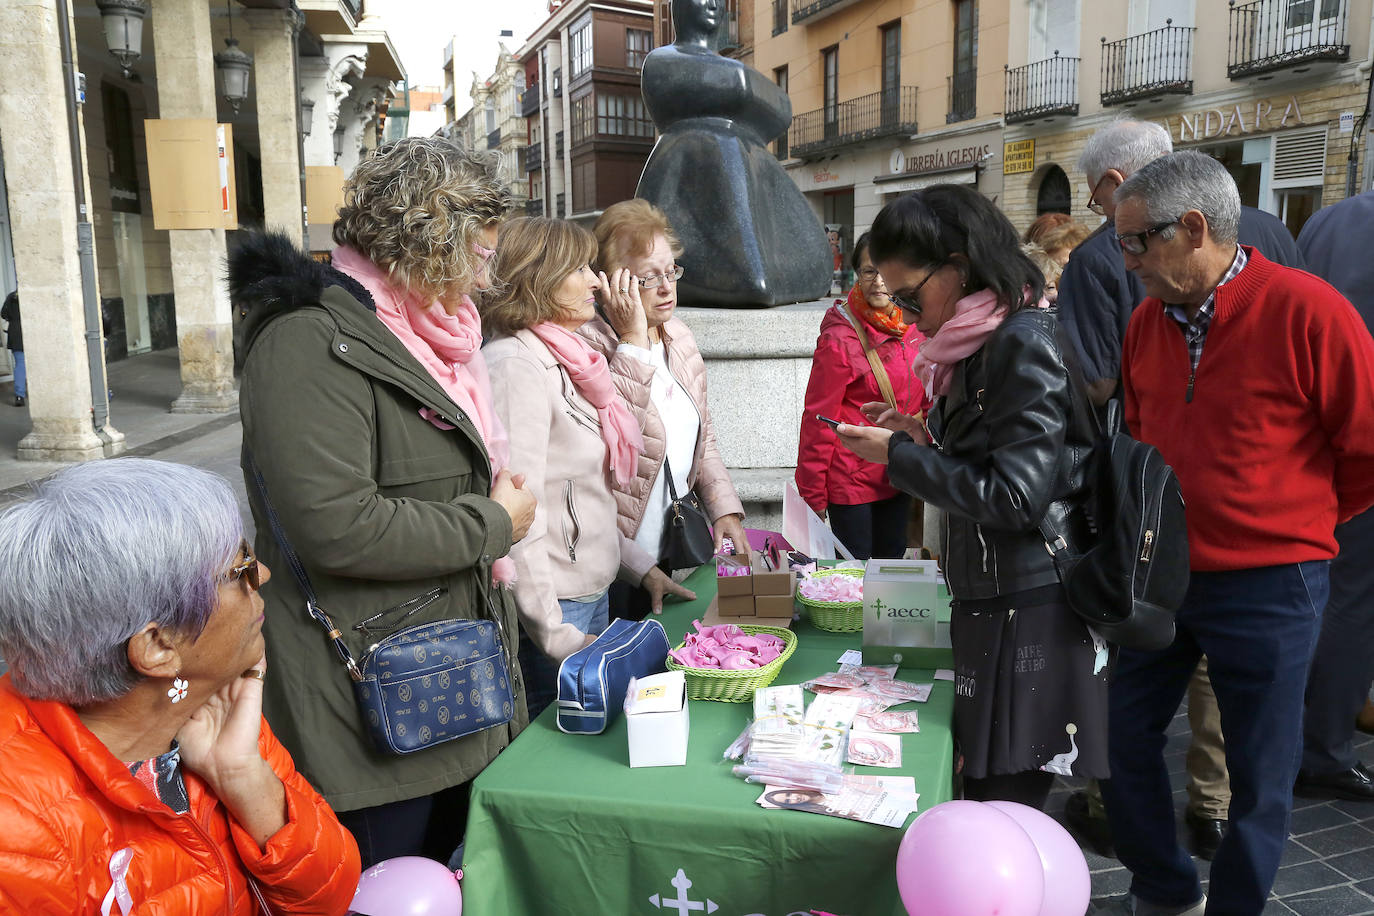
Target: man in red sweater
column 1256, row 383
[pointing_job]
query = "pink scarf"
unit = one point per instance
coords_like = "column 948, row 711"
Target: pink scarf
column 976, row 316
column 450, row 348
column 592, row 378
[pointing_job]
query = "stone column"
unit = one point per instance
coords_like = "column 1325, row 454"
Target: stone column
column 42, row 199
column 186, row 89
column 274, row 73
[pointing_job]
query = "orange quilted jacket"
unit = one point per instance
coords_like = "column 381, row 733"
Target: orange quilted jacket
column 68, row 807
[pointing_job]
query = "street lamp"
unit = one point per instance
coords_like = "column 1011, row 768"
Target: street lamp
column 234, row 67
column 338, row 143
column 307, row 115
column 123, row 21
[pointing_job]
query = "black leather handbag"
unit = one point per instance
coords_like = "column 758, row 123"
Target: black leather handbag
column 687, row 540
column 420, row 685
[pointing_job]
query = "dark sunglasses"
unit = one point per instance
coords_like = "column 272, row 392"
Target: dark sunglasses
column 907, row 301
column 1136, row 242
column 248, row 569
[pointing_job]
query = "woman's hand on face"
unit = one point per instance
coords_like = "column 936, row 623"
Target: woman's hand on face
column 732, row 527
column 620, row 298
column 879, row 414
column 868, row 442
column 658, row 583
column 510, row 492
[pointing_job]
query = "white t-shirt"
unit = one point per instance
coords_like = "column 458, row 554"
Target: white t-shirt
column 681, row 423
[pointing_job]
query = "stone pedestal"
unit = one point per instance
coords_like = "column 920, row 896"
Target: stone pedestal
column 186, row 89
column 757, row 366
column 274, row 72
column 42, row 207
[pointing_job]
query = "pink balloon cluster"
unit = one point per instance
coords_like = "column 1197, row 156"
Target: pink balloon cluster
column 408, row 886
column 726, row 647
column 968, row 858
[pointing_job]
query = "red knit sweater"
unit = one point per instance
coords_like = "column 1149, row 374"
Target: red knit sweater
column 1277, row 443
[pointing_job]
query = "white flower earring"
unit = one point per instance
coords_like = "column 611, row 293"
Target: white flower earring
column 177, row 692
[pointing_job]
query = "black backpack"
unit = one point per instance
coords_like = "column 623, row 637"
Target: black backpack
column 1130, row 580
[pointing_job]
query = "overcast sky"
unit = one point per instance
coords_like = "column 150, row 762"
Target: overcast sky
column 420, row 29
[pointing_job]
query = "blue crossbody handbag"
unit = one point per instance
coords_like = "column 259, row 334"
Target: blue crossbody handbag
column 592, row 681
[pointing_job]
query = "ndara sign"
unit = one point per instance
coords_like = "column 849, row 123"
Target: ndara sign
column 1236, row 120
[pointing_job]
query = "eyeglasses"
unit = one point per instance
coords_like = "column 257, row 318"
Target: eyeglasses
column 1134, row 243
column 248, row 569
column 1093, row 205
column 869, row 274
column 673, row 276
column 907, row 301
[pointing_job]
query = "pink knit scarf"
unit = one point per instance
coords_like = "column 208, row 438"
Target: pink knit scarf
column 592, row 378
column 976, row 316
column 450, row 349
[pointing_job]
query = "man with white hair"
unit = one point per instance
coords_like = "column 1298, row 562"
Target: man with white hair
column 1256, row 383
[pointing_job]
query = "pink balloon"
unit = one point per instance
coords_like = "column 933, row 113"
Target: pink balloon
column 1068, row 887
column 408, row 886
column 965, row 858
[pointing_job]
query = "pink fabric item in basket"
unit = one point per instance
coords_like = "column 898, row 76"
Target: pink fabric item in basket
column 726, row 647
column 840, row 587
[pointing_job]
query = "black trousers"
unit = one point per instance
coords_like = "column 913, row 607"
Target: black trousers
column 1344, row 661
column 876, row 529
column 431, row 826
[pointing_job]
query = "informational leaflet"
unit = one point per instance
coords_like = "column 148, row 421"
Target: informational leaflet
column 883, row 800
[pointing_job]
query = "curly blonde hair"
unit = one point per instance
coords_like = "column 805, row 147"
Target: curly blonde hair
column 415, row 206
column 533, row 258
column 627, row 229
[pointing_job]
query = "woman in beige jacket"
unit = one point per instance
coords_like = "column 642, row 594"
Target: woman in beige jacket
column 660, row 373
column 570, row 436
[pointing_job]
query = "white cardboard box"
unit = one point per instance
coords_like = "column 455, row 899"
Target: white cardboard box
column 657, row 720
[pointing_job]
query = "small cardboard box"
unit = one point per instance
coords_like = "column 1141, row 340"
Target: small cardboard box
column 773, row 582
column 727, row 586
column 736, row 605
column 769, row 605
column 657, row 720
column 906, row 614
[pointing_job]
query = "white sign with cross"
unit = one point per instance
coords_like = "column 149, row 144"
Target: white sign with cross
column 680, row 902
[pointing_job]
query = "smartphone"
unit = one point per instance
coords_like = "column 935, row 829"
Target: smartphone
column 825, row 419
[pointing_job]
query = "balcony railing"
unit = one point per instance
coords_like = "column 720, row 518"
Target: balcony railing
column 879, row 114
column 1150, row 64
column 1043, row 89
column 1269, row 35
column 779, row 16
column 534, row 157
column 534, row 207
column 494, row 139
column 811, row 10
column 963, row 96
column 529, row 101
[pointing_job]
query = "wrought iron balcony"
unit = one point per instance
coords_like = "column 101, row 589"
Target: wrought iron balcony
column 779, row 16
column 534, row 207
column 529, row 101
column 1269, row 35
column 879, row 114
column 812, row 10
column 494, row 139
column 1043, row 89
column 963, row 96
column 1146, row 65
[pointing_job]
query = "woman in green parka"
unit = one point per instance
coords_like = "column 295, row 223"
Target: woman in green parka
column 366, row 404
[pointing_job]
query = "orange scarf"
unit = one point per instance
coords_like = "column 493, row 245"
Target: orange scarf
column 886, row 318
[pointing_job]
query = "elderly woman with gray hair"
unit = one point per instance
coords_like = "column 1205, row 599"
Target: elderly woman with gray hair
column 135, row 766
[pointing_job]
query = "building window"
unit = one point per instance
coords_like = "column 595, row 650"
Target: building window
column 780, row 77
column 638, row 44
column 892, row 59
column 584, row 186
column 963, row 82
column 622, row 116
column 830, row 67
column 583, row 121
column 666, row 33
column 491, row 114
column 581, row 46
column 779, row 16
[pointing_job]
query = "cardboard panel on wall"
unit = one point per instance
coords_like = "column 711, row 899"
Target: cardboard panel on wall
column 323, row 193
column 191, row 173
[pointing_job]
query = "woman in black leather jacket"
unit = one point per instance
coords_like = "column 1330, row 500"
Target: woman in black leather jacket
column 1002, row 450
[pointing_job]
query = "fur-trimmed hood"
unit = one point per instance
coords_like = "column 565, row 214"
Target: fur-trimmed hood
column 270, row 275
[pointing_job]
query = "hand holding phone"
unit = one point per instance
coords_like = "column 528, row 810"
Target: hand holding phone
column 824, row 419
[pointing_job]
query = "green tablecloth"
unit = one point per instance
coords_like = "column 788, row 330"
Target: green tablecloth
column 560, row 824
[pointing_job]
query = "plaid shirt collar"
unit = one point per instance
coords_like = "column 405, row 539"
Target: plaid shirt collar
column 1195, row 331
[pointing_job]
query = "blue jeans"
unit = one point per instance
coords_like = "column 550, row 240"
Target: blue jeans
column 21, row 375
column 1258, row 629
column 541, row 672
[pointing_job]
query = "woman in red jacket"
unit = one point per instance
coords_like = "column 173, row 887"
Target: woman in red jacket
column 867, row 513
column 136, row 771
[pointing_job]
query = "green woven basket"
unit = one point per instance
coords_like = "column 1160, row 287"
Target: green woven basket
column 736, row 686
column 835, row 616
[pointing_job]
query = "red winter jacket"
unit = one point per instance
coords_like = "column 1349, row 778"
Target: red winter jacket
column 67, row 806
column 841, row 382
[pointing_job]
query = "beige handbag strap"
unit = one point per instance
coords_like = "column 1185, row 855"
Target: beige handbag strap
column 874, row 361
